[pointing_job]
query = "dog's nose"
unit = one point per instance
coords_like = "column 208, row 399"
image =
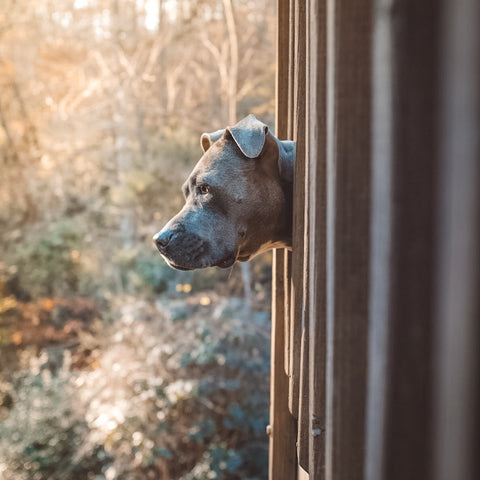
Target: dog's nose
column 162, row 238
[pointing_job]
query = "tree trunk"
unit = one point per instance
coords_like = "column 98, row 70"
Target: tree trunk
column 232, row 86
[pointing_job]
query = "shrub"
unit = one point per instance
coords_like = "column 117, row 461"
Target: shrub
column 48, row 262
column 42, row 437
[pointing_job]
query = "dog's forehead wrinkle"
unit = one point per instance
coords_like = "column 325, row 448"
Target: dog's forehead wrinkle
column 221, row 171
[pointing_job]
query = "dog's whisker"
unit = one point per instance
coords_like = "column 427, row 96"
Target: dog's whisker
column 233, row 264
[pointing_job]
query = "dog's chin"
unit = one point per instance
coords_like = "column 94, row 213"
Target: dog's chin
column 225, row 262
column 177, row 266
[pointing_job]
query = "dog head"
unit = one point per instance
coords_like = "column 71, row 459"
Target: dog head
column 237, row 200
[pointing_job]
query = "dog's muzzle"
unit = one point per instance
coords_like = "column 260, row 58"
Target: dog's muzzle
column 182, row 249
column 186, row 250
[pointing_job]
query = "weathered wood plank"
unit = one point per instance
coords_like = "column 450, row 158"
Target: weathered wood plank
column 303, row 448
column 316, row 158
column 457, row 312
column 405, row 161
column 382, row 127
column 282, row 429
column 287, row 295
column 301, row 312
column 299, row 205
column 348, row 205
column 289, row 121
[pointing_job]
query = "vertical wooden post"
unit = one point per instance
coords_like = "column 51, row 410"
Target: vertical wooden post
column 316, row 157
column 298, row 134
column 405, row 161
column 381, row 232
column 282, row 430
column 457, row 312
column 348, row 233
column 298, row 392
column 282, row 451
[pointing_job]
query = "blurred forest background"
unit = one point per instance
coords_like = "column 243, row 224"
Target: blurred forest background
column 112, row 365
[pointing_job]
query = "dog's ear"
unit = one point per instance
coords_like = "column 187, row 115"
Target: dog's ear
column 286, row 159
column 249, row 134
column 208, row 139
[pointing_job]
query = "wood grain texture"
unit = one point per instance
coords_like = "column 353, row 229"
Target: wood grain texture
column 303, row 447
column 386, row 233
column 302, row 65
column 299, row 204
column 282, row 429
column 404, row 241
column 348, row 225
column 457, row 312
column 287, row 301
column 316, row 158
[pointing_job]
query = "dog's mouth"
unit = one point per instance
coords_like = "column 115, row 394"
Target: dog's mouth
column 225, row 262
column 178, row 267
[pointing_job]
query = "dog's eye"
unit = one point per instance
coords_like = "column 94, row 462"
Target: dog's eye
column 203, row 189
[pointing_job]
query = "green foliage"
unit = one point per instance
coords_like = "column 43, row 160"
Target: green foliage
column 153, row 184
column 133, row 183
column 216, row 463
column 97, row 139
column 155, row 274
column 142, row 269
column 48, row 262
column 140, row 408
column 43, row 437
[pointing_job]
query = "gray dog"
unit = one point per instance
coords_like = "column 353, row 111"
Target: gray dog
column 238, row 200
